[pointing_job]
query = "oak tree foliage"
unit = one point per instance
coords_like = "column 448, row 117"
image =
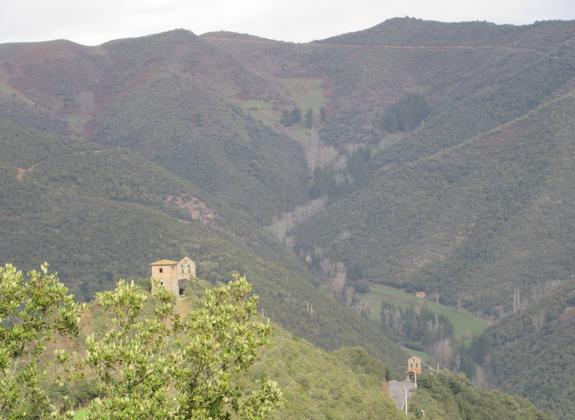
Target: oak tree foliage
column 34, row 310
column 149, row 362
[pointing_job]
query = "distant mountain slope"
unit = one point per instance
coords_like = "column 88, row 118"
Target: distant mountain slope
column 175, row 144
column 163, row 96
column 470, row 222
column 418, row 32
column 362, row 79
column 180, row 126
column 95, row 215
column 531, row 353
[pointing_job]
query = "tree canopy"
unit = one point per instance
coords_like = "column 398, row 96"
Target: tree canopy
column 149, row 362
column 34, row 309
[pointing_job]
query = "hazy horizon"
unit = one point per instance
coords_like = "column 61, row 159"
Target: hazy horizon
column 273, row 39
column 95, row 22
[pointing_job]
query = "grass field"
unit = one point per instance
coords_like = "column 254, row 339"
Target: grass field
column 426, row 357
column 81, row 414
column 466, row 324
column 264, row 111
column 8, row 91
column 305, row 93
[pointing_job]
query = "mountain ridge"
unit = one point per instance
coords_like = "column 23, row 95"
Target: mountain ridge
column 438, row 169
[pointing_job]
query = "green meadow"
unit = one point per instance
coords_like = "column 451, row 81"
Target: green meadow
column 466, row 324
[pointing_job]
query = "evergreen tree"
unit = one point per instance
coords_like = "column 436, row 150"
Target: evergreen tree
column 405, row 115
column 421, row 328
column 286, row 118
column 295, row 116
column 322, row 114
column 290, row 118
column 309, row 119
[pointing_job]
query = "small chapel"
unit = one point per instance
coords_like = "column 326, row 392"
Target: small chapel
column 413, row 366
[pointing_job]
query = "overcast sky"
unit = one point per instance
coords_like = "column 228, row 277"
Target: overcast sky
column 93, row 22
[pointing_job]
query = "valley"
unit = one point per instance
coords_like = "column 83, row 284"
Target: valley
column 465, row 324
column 340, row 176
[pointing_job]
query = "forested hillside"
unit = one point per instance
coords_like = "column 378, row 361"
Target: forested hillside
column 420, row 155
column 130, row 353
column 96, row 216
column 528, row 351
column 314, row 383
column 444, row 395
column 470, row 223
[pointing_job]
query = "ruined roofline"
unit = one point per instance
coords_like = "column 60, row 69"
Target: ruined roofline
column 164, row 262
